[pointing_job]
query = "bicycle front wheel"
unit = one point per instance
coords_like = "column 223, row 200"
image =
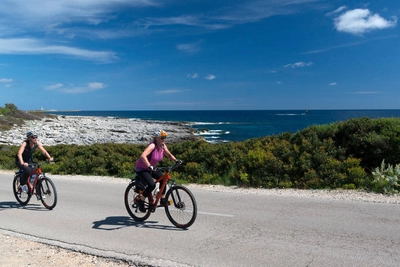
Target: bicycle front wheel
column 48, row 193
column 181, row 207
column 131, row 197
column 20, row 196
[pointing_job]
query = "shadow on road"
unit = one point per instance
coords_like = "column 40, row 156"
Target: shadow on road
column 16, row 205
column 118, row 222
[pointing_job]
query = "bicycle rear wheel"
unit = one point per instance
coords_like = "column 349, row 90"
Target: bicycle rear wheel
column 132, row 193
column 181, row 208
column 47, row 193
column 20, row 196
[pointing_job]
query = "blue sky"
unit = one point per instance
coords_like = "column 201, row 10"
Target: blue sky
column 199, row 54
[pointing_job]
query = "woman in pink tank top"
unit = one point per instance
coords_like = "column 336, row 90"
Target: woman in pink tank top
column 144, row 167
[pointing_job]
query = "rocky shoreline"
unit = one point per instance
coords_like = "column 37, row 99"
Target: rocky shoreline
column 85, row 130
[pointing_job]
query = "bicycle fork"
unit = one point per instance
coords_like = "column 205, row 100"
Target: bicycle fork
column 176, row 199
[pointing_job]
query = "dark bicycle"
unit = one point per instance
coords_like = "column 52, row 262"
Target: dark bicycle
column 41, row 186
column 180, row 205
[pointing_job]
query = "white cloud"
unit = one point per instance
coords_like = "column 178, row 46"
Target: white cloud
column 193, row 76
column 333, row 84
column 45, row 11
column 189, row 20
column 61, row 17
column 299, row 64
column 96, row 85
column 6, row 82
column 54, row 86
column 239, row 12
column 359, row 21
column 192, row 48
column 340, row 9
column 36, row 47
column 253, row 11
column 93, row 86
column 349, row 44
column 210, row 77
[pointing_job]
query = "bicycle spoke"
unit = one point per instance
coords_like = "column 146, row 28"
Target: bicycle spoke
column 183, row 210
column 21, row 197
column 131, row 196
column 47, row 193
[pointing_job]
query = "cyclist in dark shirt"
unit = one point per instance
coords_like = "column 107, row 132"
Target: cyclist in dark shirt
column 24, row 156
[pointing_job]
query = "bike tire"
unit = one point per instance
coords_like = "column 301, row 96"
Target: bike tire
column 132, row 192
column 181, row 208
column 47, row 192
column 21, row 197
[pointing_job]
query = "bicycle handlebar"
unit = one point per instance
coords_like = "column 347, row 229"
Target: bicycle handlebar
column 35, row 165
column 170, row 168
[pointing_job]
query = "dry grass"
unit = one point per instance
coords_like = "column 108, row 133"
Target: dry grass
column 12, row 117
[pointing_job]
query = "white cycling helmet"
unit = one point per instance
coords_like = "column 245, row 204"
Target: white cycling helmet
column 31, row 133
column 160, row 133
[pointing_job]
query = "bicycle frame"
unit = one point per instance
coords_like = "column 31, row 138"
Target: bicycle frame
column 37, row 171
column 163, row 180
column 41, row 186
column 180, row 206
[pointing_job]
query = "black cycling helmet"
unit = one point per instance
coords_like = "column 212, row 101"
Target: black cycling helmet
column 31, row 133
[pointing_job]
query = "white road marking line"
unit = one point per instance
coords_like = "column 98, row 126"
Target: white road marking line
column 215, row 214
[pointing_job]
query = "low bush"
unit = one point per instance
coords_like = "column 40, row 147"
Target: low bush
column 386, row 178
column 339, row 155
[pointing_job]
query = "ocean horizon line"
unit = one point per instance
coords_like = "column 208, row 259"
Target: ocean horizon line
column 159, row 110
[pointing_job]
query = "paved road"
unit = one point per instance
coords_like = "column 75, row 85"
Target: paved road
column 231, row 229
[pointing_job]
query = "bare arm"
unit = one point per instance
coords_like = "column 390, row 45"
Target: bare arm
column 169, row 154
column 47, row 155
column 20, row 151
column 147, row 152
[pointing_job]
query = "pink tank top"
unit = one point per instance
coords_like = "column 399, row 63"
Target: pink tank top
column 155, row 157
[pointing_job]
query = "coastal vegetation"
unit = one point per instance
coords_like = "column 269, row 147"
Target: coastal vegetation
column 10, row 115
column 360, row 153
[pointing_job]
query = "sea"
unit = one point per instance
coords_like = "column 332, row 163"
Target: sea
column 218, row 126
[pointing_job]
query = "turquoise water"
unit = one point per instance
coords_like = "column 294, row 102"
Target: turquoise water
column 239, row 125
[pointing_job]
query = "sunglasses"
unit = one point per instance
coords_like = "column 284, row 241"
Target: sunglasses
column 163, row 137
column 33, row 137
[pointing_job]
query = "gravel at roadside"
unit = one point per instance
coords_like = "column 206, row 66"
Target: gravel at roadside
column 20, row 251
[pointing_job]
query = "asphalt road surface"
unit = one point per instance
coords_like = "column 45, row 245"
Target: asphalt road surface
column 231, row 229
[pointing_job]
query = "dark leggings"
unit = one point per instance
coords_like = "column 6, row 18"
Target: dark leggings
column 27, row 171
column 147, row 178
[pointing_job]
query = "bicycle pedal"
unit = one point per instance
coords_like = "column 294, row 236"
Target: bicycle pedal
column 163, row 204
column 152, row 208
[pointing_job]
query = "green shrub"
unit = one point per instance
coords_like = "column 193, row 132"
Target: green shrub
column 339, row 155
column 386, row 178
